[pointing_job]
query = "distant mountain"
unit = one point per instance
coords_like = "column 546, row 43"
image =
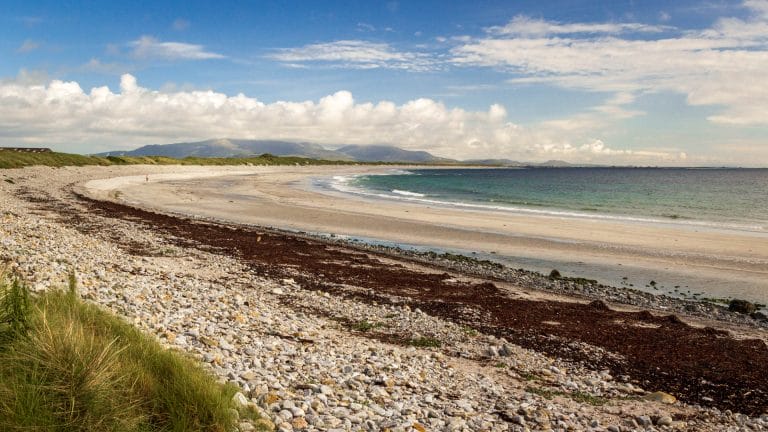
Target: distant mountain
column 233, row 148
column 385, row 153
column 244, row 148
column 358, row 153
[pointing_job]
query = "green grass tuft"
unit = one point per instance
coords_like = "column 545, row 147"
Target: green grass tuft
column 364, row 326
column 70, row 366
column 580, row 397
column 425, row 342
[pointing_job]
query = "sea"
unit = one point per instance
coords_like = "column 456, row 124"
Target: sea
column 721, row 199
column 734, row 199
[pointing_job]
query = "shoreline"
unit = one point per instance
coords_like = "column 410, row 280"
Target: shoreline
column 338, row 187
column 682, row 262
column 289, row 319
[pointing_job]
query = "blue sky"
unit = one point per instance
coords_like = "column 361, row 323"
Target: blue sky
column 585, row 81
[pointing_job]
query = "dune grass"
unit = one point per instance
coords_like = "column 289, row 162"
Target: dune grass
column 66, row 365
column 14, row 159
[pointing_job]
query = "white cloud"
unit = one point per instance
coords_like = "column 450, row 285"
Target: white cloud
column 723, row 66
column 365, row 27
column 28, row 46
column 522, row 25
column 147, row 47
column 63, row 114
column 356, row 54
column 98, row 66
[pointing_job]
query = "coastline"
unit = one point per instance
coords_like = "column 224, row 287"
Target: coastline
column 281, row 314
column 683, row 261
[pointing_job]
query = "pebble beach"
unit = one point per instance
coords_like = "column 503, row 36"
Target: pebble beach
column 311, row 353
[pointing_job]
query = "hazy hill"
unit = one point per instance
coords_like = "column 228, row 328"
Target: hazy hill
column 233, row 148
column 385, row 153
column 241, row 148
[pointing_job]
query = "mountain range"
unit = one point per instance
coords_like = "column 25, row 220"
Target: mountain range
column 243, row 148
column 225, row 147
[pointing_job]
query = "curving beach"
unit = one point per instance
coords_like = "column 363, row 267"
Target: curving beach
column 680, row 259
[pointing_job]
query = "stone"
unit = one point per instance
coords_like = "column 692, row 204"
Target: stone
column 505, row 351
column 742, row 306
column 643, row 420
column 248, row 376
column 299, row 423
column 660, row 397
column 664, row 421
column 240, row 400
column 246, row 427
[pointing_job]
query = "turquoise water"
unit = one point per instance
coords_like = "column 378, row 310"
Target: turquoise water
column 719, row 198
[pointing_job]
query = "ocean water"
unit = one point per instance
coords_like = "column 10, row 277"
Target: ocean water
column 718, row 198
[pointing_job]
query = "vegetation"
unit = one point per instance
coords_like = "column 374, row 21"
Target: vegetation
column 425, row 342
column 15, row 159
column 364, row 326
column 66, row 365
column 580, row 397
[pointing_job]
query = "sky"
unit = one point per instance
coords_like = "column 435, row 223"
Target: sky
column 680, row 83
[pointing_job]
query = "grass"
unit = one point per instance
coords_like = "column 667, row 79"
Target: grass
column 580, row 397
column 14, row 159
column 425, row 342
column 364, row 326
column 66, row 365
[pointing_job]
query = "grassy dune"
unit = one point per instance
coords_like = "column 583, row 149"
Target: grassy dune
column 66, row 365
column 14, row 159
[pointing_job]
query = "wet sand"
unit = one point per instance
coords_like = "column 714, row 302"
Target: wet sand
column 717, row 263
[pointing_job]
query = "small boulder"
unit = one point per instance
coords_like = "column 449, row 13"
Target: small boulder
column 660, row 397
column 760, row 316
column 240, row 400
column 742, row 306
column 554, row 274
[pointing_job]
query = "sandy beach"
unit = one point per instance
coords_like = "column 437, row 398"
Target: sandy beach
column 680, row 259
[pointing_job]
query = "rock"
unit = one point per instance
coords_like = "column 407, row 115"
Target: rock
column 419, row 427
column 278, row 291
column 209, row 341
column 760, row 316
column 664, row 421
column 248, row 376
column 742, row 306
column 246, row 427
column 660, row 397
column 240, row 400
column 554, row 274
column 643, row 420
column 299, row 423
column 505, row 350
column 491, row 351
